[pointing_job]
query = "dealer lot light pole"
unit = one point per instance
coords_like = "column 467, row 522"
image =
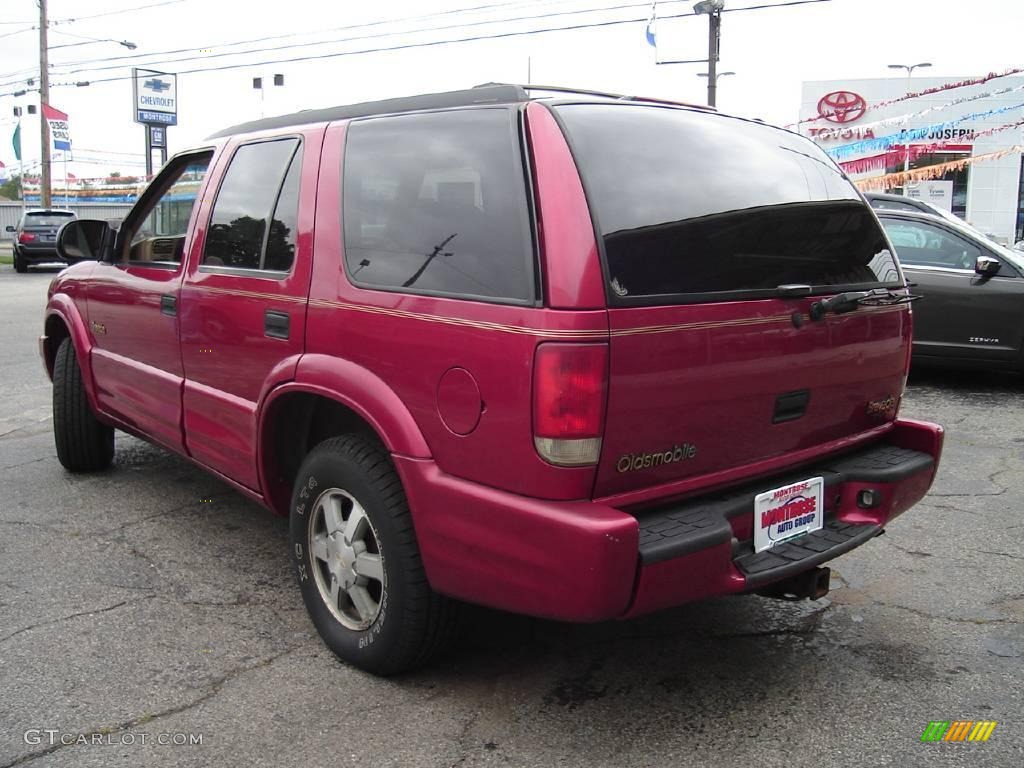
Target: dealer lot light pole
column 910, row 71
column 718, row 76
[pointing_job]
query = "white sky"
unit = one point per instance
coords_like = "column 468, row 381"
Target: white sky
column 772, row 51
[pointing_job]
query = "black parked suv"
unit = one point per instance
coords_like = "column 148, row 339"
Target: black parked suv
column 972, row 314
column 35, row 237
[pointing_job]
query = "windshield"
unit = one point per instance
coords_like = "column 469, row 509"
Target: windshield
column 693, row 203
column 47, row 219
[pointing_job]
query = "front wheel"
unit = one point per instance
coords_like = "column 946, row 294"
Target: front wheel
column 84, row 444
column 358, row 563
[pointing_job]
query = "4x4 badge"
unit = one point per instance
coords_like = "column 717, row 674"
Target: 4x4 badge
column 98, row 327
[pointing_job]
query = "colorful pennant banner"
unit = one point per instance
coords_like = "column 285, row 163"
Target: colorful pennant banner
column 890, row 180
column 914, row 134
column 894, row 156
column 900, row 119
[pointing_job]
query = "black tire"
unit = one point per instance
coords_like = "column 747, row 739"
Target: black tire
column 83, row 443
column 20, row 266
column 413, row 623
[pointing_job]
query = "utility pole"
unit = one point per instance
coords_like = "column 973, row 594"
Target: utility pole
column 44, row 98
column 714, row 31
column 713, row 9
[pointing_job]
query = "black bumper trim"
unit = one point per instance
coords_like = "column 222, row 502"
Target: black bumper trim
column 803, row 552
column 691, row 526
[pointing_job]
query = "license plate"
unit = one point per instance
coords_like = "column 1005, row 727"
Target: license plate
column 789, row 511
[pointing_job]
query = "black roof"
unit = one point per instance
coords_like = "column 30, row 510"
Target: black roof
column 490, row 93
column 486, row 94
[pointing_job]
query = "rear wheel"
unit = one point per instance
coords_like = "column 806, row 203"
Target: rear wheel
column 20, row 265
column 358, row 563
column 83, row 443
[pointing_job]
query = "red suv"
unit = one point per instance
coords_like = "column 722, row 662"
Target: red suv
column 576, row 357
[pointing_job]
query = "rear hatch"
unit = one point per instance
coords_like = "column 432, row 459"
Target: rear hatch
column 44, row 226
column 718, row 235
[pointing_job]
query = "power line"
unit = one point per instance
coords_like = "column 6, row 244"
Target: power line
column 433, row 43
column 407, row 46
column 773, row 5
column 314, row 32
column 17, row 74
column 461, row 25
column 73, row 19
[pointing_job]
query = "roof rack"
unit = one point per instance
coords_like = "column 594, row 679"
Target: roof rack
column 603, row 94
column 488, row 93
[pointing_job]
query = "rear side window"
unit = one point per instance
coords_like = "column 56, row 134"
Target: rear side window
column 697, row 206
column 436, row 203
column 253, row 221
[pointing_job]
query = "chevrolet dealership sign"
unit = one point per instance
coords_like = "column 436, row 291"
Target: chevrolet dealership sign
column 156, row 97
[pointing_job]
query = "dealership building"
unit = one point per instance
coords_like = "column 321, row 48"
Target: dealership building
column 988, row 193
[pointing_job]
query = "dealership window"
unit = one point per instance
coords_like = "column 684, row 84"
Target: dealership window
column 959, row 178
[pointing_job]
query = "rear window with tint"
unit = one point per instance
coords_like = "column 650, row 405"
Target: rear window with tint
column 47, row 219
column 691, row 204
column 436, row 203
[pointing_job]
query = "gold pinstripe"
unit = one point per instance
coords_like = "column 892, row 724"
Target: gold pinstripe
column 479, row 324
column 566, row 333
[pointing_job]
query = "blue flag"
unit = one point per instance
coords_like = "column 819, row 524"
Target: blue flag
column 650, row 25
column 16, row 141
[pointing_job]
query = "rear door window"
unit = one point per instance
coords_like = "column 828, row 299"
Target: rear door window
column 695, row 206
column 436, row 203
column 253, row 221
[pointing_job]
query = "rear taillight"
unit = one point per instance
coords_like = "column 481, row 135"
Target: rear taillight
column 569, row 386
column 26, row 237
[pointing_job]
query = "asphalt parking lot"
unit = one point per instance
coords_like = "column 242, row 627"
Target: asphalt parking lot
column 151, row 603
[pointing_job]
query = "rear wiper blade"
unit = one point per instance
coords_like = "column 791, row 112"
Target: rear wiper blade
column 850, row 300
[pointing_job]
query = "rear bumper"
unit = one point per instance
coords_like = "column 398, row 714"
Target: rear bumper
column 585, row 561
column 38, row 254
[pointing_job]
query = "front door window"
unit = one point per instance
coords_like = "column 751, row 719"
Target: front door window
column 159, row 238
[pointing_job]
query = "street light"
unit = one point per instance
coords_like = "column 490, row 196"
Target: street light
column 717, row 76
column 126, row 43
column 713, row 9
column 910, row 71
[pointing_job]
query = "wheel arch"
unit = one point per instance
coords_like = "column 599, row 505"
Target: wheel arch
column 62, row 321
column 327, row 399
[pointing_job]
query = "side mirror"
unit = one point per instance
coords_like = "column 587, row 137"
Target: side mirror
column 986, row 266
column 85, row 240
column 11, row 229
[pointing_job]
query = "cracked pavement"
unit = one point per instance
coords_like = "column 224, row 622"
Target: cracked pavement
column 151, row 599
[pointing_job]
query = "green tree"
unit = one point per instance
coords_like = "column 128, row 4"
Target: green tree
column 11, row 189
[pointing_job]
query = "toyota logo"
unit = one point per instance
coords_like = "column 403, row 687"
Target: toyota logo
column 842, row 106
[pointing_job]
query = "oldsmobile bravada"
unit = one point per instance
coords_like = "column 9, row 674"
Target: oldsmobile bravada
column 580, row 357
